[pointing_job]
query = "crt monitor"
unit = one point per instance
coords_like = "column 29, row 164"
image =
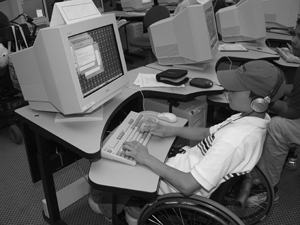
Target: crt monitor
column 242, row 22
column 136, row 5
column 189, row 37
column 36, row 9
column 280, row 13
column 73, row 69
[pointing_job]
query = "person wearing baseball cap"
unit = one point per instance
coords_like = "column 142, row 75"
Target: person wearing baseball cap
column 224, row 150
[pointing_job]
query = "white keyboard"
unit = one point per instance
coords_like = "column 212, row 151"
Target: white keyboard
column 127, row 131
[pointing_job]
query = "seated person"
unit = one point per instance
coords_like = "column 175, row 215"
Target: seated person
column 231, row 147
column 284, row 130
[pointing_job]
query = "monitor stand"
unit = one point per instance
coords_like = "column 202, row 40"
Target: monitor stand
column 97, row 115
column 195, row 66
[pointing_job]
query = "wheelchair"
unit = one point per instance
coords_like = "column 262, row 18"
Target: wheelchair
column 232, row 203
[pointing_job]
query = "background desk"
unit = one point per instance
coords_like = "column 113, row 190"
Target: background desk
column 186, row 93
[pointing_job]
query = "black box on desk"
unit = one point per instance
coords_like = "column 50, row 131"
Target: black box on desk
column 194, row 111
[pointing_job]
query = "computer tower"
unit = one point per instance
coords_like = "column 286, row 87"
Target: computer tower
column 194, row 111
column 132, row 30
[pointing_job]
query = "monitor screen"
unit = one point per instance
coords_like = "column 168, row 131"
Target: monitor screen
column 242, row 22
column 73, row 69
column 136, row 5
column 281, row 13
column 36, row 9
column 188, row 37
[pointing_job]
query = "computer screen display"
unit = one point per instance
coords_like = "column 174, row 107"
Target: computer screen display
column 242, row 22
column 136, row 5
column 73, row 69
column 187, row 38
column 36, row 9
column 280, row 13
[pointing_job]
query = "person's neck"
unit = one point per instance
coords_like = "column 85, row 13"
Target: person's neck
column 254, row 114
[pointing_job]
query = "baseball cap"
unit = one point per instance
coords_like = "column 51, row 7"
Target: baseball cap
column 258, row 76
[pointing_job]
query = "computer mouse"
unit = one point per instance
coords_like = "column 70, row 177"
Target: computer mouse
column 201, row 83
column 168, row 117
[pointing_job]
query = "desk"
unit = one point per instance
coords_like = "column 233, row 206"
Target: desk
column 42, row 135
column 130, row 16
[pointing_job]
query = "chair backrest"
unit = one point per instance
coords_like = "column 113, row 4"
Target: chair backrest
column 155, row 14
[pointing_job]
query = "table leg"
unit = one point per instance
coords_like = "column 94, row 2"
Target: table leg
column 48, row 181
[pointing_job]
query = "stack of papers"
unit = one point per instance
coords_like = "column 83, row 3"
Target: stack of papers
column 149, row 80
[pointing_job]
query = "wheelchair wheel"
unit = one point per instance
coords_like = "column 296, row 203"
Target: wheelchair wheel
column 259, row 203
column 15, row 134
column 175, row 209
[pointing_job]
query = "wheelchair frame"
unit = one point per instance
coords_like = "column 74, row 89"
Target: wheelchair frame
column 222, row 208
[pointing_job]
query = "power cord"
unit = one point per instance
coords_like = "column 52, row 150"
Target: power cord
column 141, row 94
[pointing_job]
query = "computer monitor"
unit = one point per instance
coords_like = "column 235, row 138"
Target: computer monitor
column 280, row 13
column 73, row 69
column 168, row 2
column 242, row 22
column 189, row 37
column 36, row 9
column 136, row 5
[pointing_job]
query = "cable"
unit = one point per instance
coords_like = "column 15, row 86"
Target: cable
column 154, row 68
column 230, row 62
column 141, row 94
column 80, row 169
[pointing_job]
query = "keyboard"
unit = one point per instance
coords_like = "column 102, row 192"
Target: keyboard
column 127, row 131
column 288, row 55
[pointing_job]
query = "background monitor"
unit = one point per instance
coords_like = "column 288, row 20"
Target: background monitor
column 37, row 9
column 242, row 22
column 73, row 69
column 136, row 5
column 281, row 13
column 187, row 38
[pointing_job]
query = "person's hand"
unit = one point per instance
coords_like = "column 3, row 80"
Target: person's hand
column 151, row 125
column 136, row 150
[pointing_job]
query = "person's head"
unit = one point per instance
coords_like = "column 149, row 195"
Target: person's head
column 296, row 40
column 250, row 84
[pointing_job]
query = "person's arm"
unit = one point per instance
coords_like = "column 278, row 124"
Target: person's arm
column 183, row 182
column 191, row 133
column 282, row 109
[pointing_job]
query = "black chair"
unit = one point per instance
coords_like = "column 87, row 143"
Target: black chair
column 153, row 15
